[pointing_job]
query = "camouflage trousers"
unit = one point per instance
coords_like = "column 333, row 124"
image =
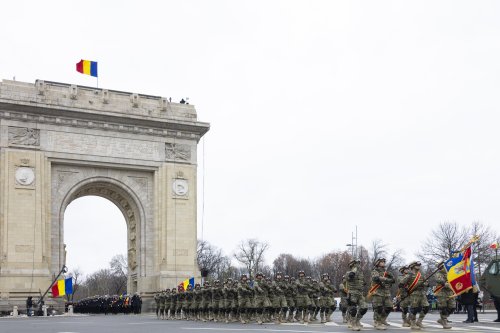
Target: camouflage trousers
column 446, row 305
column 357, row 306
column 278, row 301
column 382, row 306
column 303, row 302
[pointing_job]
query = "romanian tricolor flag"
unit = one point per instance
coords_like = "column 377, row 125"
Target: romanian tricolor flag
column 187, row 282
column 460, row 270
column 87, row 67
column 62, row 287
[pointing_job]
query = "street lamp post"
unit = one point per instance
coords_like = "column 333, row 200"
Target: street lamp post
column 354, row 245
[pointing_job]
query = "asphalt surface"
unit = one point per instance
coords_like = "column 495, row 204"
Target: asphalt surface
column 149, row 324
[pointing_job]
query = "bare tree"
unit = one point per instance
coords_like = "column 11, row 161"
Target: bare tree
column 119, row 271
column 77, row 275
column 446, row 238
column 482, row 253
column 212, row 261
column 250, row 253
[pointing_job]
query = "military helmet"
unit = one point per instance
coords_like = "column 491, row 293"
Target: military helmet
column 314, row 281
column 308, row 277
column 286, row 277
column 403, row 269
column 197, row 285
column 379, row 260
column 354, row 262
column 415, row 263
column 292, row 279
column 301, row 273
column 243, row 276
column 259, row 274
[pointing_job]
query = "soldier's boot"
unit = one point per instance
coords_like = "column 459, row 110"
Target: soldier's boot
column 297, row 315
column 413, row 323
column 419, row 322
column 406, row 321
column 446, row 324
column 322, row 317
column 290, row 316
column 328, row 315
column 315, row 314
column 379, row 326
column 384, row 320
column 344, row 318
column 357, row 325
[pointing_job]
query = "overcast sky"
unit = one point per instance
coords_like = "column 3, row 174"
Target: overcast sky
column 324, row 114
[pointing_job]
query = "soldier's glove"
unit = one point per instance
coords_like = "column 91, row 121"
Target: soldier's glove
column 351, row 275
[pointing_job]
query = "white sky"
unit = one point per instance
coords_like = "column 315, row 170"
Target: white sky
column 324, row 114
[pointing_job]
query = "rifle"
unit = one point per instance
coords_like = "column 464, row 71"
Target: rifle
column 425, row 280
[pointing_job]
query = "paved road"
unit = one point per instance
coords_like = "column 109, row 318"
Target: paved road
column 149, row 324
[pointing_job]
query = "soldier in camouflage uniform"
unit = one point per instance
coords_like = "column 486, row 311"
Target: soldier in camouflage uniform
column 290, row 294
column 404, row 300
column 343, row 299
column 167, row 302
column 190, row 304
column 380, row 293
column 444, row 295
column 414, row 283
column 157, row 301
column 181, row 302
column 162, row 304
column 197, row 301
column 245, row 305
column 303, row 302
column 231, row 300
column 217, row 301
column 207, row 300
column 356, row 301
column 327, row 298
column 278, row 300
column 261, row 298
column 173, row 303
column 314, row 296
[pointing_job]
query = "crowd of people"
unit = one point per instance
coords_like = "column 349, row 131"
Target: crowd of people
column 109, row 304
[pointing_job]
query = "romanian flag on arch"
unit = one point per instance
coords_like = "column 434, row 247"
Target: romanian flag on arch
column 62, row 287
column 87, row 67
column 460, row 271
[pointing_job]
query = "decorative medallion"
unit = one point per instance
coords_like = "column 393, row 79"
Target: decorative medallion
column 180, row 187
column 25, row 176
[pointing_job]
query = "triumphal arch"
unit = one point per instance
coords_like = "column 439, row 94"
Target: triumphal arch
column 59, row 142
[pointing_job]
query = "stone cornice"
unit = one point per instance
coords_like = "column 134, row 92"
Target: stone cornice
column 60, row 103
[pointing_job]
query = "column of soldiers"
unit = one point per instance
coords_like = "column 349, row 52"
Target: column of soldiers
column 282, row 299
column 286, row 299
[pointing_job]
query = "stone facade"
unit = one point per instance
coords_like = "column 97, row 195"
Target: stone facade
column 59, row 142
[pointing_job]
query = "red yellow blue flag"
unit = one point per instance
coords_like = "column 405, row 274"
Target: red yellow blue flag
column 460, row 272
column 87, row 67
column 62, row 287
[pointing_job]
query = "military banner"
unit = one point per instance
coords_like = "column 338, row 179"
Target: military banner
column 460, row 271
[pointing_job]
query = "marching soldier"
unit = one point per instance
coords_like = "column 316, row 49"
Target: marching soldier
column 356, row 301
column 303, row 301
column 261, row 298
column 217, row 301
column 278, row 301
column 197, row 301
column 343, row 300
column 314, row 295
column 327, row 300
column 290, row 294
column 402, row 297
column 444, row 295
column 380, row 293
column 244, row 299
column 157, row 301
column 418, row 298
